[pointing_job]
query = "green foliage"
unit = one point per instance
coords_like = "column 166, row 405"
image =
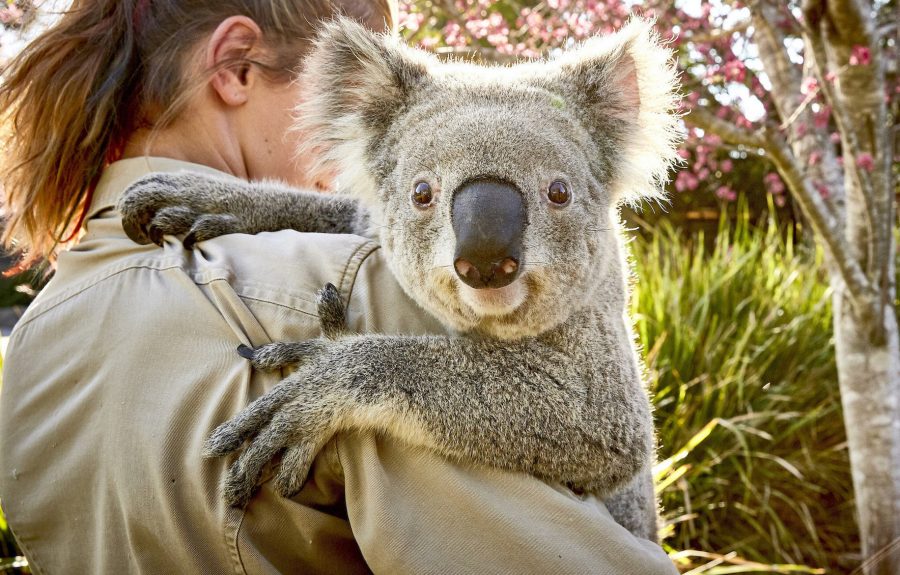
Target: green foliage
column 738, row 339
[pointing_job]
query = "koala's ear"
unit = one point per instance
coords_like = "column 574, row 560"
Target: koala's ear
column 625, row 89
column 355, row 82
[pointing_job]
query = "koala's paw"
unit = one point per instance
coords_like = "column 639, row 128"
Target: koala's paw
column 153, row 205
column 295, row 419
column 176, row 204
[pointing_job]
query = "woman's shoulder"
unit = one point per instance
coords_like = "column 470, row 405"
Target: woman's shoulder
column 288, row 268
column 283, row 264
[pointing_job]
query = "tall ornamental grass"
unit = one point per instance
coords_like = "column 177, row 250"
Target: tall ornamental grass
column 737, row 334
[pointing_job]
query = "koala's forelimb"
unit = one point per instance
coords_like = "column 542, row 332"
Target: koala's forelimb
column 202, row 207
column 532, row 406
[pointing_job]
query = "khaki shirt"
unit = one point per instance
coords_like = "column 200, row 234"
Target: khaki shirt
column 126, row 362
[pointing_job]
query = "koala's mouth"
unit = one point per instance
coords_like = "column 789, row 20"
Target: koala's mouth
column 494, row 302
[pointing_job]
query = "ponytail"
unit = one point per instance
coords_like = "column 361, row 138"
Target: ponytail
column 71, row 98
column 64, row 109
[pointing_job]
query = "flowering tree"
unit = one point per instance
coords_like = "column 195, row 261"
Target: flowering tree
column 808, row 85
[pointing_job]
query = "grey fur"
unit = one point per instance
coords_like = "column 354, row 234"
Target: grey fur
column 547, row 381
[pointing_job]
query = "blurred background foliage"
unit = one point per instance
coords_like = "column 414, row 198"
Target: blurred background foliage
column 731, row 305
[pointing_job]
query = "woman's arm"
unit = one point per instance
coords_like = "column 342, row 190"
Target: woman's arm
column 203, row 207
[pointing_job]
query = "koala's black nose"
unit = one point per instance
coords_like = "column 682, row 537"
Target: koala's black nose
column 489, row 220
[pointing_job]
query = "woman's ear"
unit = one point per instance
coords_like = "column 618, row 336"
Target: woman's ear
column 226, row 54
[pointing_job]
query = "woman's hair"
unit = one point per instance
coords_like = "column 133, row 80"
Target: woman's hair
column 71, row 98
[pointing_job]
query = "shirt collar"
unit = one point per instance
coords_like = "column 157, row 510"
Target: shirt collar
column 119, row 175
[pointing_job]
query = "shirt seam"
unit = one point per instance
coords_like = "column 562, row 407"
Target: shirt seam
column 357, row 258
column 62, row 298
column 337, row 466
column 240, row 568
column 275, row 303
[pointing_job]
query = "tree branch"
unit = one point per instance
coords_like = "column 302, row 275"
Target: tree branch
column 700, row 118
column 824, row 224
column 857, row 104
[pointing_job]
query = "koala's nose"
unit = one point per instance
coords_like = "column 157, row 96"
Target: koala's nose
column 489, row 221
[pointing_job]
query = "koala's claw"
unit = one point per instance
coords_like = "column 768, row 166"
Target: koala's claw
column 211, row 226
column 171, row 221
column 142, row 202
column 331, row 312
column 275, row 356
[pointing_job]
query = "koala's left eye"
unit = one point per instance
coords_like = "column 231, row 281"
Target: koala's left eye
column 422, row 195
column 559, row 193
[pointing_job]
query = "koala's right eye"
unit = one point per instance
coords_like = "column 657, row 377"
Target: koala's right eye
column 422, row 195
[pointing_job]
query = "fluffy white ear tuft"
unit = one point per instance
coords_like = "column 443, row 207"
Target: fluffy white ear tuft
column 354, row 84
column 628, row 87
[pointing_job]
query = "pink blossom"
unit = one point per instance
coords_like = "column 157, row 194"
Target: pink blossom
column 860, row 56
column 815, row 157
column 809, row 85
column 821, row 118
column 773, row 183
column 735, row 71
column 686, row 181
column 865, row 161
column 11, row 15
column 726, row 166
column 830, row 77
column 726, row 193
column 834, row 137
column 743, row 122
column 822, row 189
column 411, row 21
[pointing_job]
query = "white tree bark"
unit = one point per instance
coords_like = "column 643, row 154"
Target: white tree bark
column 854, row 223
column 869, row 375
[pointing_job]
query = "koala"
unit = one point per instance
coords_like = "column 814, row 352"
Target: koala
column 495, row 194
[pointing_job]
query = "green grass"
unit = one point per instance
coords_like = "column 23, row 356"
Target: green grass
column 737, row 335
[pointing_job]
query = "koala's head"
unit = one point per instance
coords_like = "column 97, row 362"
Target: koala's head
column 495, row 190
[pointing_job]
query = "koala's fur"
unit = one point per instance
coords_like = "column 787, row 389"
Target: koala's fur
column 543, row 380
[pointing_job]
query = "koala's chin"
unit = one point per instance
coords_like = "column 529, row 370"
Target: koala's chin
column 494, row 302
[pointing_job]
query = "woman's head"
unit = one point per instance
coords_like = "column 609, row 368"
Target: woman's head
column 110, row 68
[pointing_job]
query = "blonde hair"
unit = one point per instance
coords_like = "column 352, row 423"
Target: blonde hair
column 72, row 97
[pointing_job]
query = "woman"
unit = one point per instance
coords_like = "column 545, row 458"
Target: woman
column 125, row 362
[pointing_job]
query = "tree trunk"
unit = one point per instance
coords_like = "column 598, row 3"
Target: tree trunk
column 868, row 360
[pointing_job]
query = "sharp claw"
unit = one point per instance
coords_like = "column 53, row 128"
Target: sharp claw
column 190, row 241
column 156, row 235
column 246, row 352
column 135, row 232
